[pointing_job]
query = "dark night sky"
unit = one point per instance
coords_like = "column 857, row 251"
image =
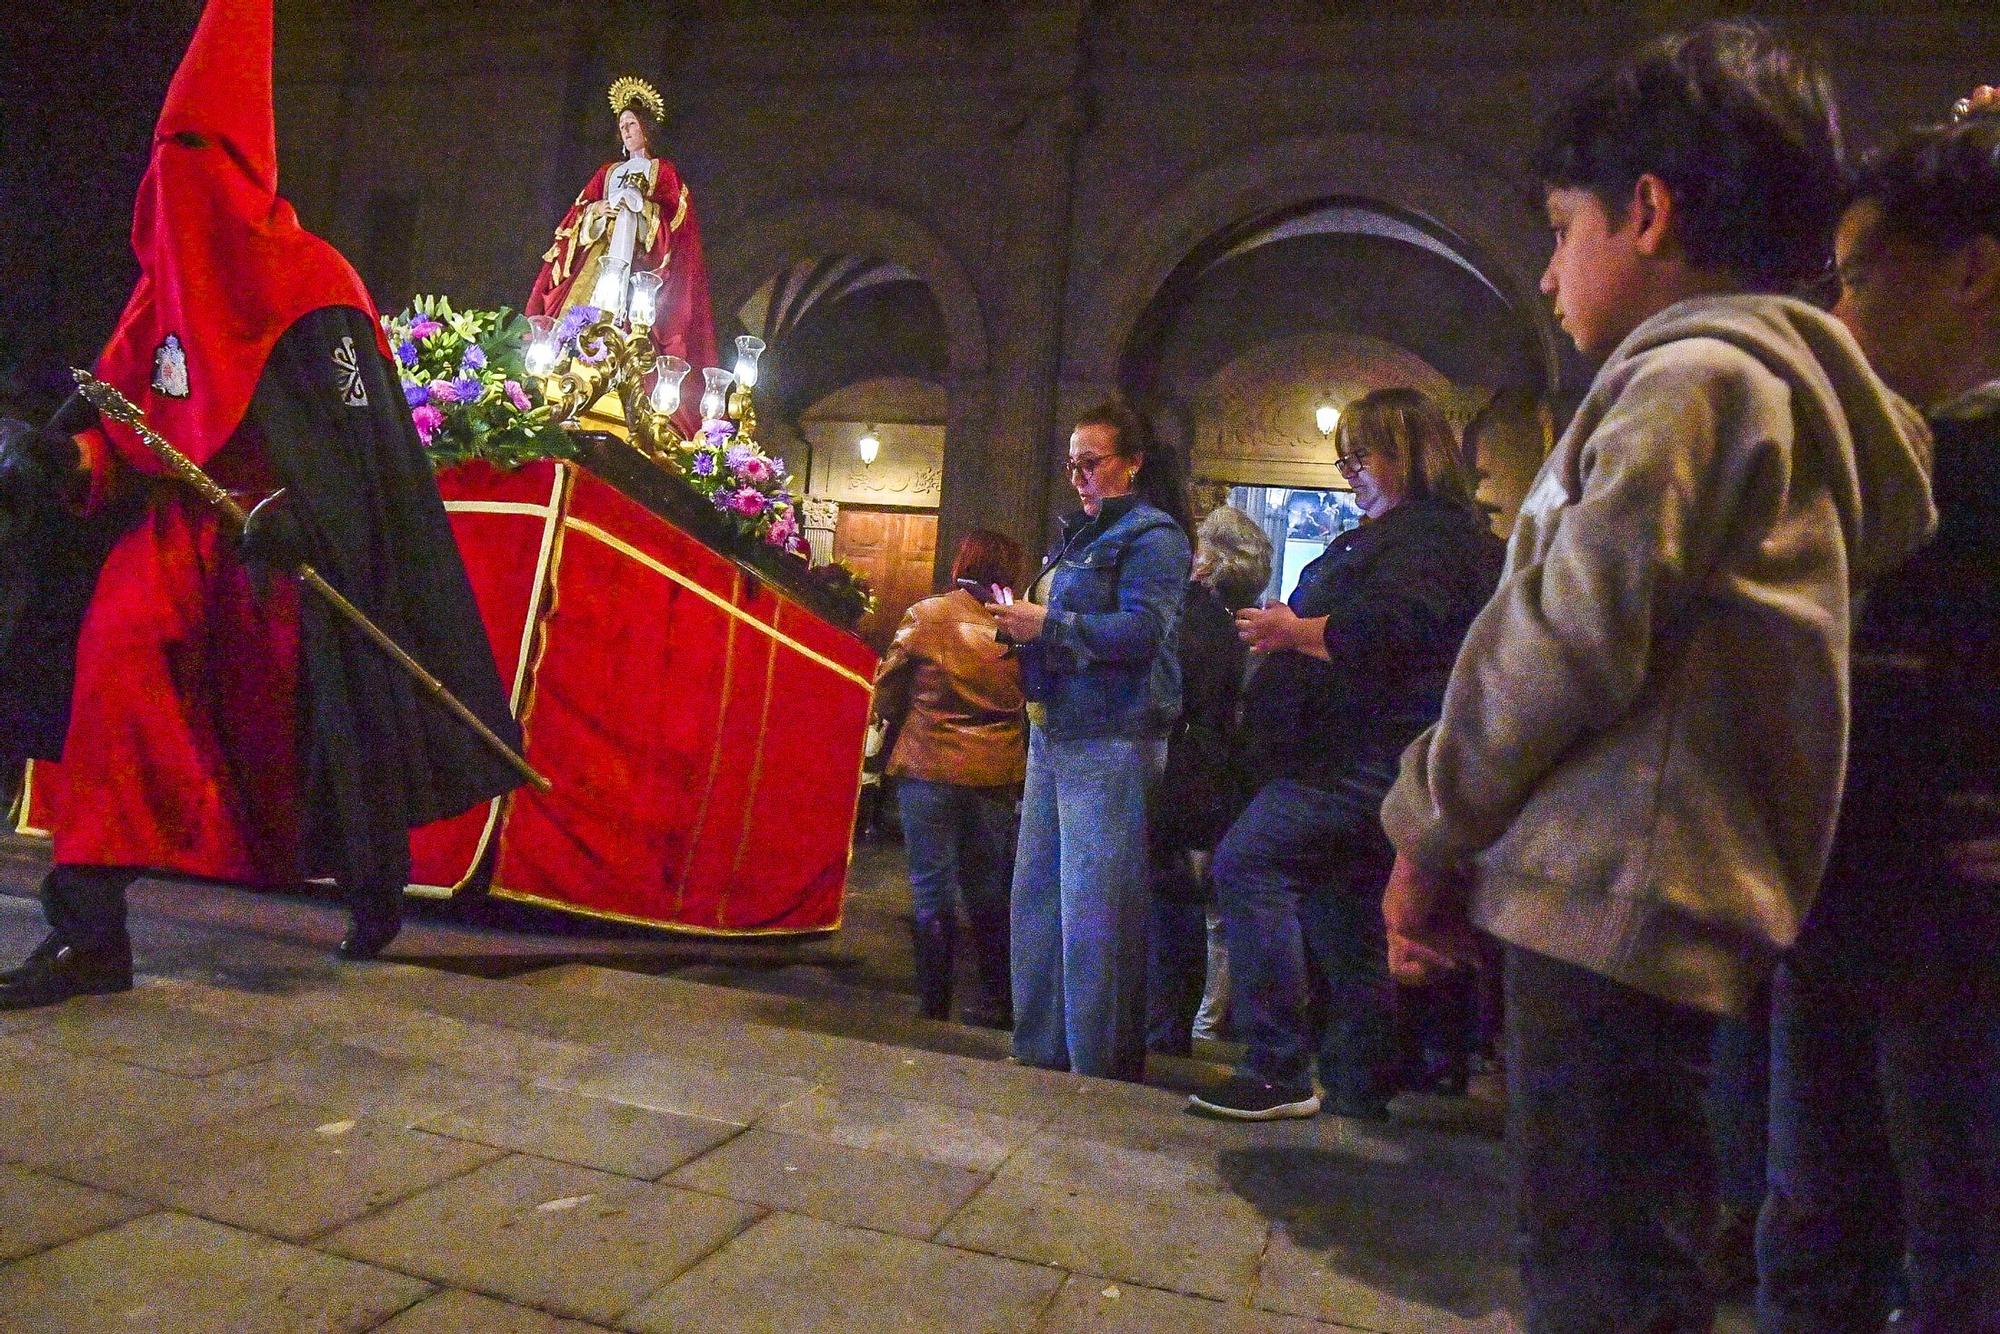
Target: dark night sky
column 82, row 86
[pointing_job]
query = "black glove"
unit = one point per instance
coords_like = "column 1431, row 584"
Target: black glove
column 38, row 466
column 273, row 535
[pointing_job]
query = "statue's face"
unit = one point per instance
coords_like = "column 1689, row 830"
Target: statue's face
column 631, row 132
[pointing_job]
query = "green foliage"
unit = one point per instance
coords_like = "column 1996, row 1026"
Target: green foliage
column 468, row 389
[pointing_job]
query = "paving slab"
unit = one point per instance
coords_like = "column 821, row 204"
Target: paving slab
column 565, row 1239
column 792, row 1274
column 453, row 1312
column 287, row 1171
column 1381, row 1246
column 73, row 1107
column 667, row 1085
column 485, row 1050
column 126, row 1028
column 41, row 1211
column 357, row 1082
column 1091, row 1305
column 167, row 1273
column 1206, row 1243
column 860, row 1119
column 591, row 1132
column 830, row 1181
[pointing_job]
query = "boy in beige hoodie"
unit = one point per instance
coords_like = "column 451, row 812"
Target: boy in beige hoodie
column 1634, row 780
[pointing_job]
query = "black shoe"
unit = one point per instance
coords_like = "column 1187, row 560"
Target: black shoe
column 58, row 970
column 370, row 930
column 1246, row 1098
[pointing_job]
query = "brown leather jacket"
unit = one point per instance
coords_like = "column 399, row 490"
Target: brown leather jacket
column 958, row 696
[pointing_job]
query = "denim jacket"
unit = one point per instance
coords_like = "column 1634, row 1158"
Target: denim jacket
column 1106, row 662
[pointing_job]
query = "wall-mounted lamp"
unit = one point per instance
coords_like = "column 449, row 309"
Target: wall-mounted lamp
column 868, row 446
column 1326, row 416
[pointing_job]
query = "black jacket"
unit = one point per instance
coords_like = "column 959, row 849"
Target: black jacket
column 1924, row 743
column 1399, row 593
column 1199, row 795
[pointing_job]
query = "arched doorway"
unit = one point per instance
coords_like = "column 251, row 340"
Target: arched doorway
column 1265, row 323
column 858, row 351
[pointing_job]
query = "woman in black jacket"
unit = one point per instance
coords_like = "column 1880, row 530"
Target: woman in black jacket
column 1357, row 666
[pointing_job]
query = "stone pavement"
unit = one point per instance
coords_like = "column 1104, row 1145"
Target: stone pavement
column 261, row 1139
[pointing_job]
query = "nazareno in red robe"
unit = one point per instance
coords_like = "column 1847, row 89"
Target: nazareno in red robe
column 253, row 347
column 685, row 327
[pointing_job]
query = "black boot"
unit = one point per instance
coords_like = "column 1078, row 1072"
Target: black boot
column 932, row 937
column 58, row 970
column 992, row 953
column 375, row 915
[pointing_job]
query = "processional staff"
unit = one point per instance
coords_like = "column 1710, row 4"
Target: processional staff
column 113, row 404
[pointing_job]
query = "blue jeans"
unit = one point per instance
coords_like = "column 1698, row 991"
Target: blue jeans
column 1080, row 904
column 1885, row 1111
column 1614, row 1182
column 957, row 838
column 1301, row 871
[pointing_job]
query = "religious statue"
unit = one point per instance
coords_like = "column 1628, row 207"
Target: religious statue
column 633, row 217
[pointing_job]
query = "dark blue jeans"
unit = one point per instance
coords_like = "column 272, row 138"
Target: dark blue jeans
column 1300, row 874
column 1613, row 1179
column 957, row 838
column 1885, row 1111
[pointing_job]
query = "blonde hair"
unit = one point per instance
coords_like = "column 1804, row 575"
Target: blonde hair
column 1410, row 438
column 1232, row 556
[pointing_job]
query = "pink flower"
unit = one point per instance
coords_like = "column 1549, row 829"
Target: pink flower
column 423, row 327
column 444, row 391
column 784, row 530
column 748, row 501
column 428, row 419
column 517, row 396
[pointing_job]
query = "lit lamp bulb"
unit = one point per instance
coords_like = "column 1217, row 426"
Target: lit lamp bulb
column 715, row 393
column 1326, row 417
column 609, row 293
column 668, row 373
column 542, row 353
column 645, row 302
column 748, row 349
column 868, row 446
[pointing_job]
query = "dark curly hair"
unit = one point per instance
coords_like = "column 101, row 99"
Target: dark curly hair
column 1162, row 482
column 1741, row 127
column 1938, row 184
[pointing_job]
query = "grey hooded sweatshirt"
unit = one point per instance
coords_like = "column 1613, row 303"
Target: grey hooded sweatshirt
column 1641, row 748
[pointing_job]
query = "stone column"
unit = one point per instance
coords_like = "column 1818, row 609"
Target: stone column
column 1042, row 122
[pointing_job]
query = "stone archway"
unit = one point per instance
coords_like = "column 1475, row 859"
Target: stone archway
column 1472, row 209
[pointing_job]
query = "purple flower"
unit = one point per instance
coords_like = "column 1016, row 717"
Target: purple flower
column 474, row 361
column 704, row 464
column 718, row 430
column 468, row 388
column 423, row 327
column 751, row 466
column 414, row 394
column 748, row 501
column 517, row 396
column 428, row 419
column 783, row 530
column 575, row 320
column 444, row 391
column 406, row 352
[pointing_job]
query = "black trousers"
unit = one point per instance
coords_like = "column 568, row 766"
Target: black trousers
column 85, row 905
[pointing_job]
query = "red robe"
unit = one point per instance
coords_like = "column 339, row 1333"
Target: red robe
column 685, row 327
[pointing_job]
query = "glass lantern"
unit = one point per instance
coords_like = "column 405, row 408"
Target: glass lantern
column 715, row 393
column 543, row 352
column 668, row 373
column 748, row 349
column 645, row 300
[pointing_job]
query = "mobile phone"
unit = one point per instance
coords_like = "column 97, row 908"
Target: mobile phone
column 977, row 589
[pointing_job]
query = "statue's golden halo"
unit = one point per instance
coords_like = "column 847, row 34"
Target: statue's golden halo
column 628, row 92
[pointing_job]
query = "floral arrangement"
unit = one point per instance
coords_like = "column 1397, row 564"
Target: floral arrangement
column 466, row 385
column 749, row 486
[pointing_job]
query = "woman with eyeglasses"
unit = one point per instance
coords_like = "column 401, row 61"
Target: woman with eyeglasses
column 1354, row 667
column 1097, row 640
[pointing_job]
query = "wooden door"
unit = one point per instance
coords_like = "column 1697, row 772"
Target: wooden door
column 895, row 550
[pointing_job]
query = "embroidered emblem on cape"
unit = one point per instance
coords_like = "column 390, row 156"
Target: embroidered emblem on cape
column 170, row 368
column 347, row 364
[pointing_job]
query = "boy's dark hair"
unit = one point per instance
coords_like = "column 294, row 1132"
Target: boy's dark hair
column 1161, row 482
column 1740, row 127
column 1938, row 184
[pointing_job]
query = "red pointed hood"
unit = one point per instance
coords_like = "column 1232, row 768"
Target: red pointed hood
column 225, row 267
